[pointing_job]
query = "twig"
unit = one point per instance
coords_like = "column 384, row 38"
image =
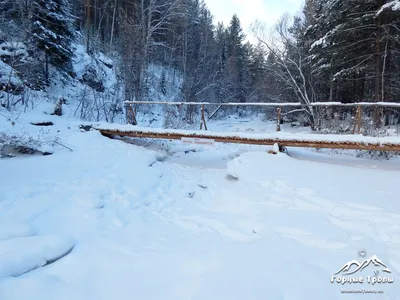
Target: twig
column 9, row 118
column 150, row 143
column 63, row 146
column 34, row 106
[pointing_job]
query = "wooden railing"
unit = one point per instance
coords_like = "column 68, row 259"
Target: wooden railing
column 131, row 114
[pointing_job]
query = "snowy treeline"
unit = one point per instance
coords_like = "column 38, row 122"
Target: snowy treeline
column 337, row 50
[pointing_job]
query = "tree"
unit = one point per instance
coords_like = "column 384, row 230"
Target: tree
column 237, row 59
column 354, row 49
column 163, row 83
column 51, row 33
column 291, row 65
column 221, row 39
column 199, row 55
column 259, row 85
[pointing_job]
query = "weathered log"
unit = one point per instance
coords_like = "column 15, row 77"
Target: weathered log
column 258, row 141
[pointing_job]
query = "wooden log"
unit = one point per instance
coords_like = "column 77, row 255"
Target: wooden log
column 256, row 141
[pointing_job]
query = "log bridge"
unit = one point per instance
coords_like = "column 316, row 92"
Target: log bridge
column 353, row 142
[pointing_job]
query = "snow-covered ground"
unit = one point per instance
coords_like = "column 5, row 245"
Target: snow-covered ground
column 114, row 220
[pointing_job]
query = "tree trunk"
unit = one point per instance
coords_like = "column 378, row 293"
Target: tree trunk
column 88, row 26
column 378, row 68
column 113, row 24
column 46, row 68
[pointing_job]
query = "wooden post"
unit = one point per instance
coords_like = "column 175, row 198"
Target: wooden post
column 359, row 119
column 134, row 116
column 127, row 113
column 278, row 125
column 130, row 115
column 203, row 119
column 356, row 120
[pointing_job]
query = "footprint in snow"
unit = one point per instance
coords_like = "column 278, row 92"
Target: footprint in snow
column 232, row 177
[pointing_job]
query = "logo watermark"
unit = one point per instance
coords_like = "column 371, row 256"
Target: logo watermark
column 376, row 274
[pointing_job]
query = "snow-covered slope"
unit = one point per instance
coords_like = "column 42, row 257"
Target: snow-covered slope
column 96, row 93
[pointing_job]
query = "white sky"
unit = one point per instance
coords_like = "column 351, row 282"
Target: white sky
column 267, row 11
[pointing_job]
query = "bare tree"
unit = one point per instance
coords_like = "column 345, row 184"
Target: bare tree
column 291, row 66
column 143, row 31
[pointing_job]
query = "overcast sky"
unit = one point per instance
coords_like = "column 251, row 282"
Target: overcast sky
column 267, row 11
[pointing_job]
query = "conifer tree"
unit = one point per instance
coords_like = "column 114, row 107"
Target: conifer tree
column 237, row 59
column 51, row 33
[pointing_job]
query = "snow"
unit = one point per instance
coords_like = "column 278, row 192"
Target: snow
column 392, row 5
column 8, row 75
column 275, row 148
column 105, row 60
column 11, row 230
column 21, row 255
column 82, row 61
column 11, row 49
column 320, row 42
column 222, row 222
column 277, row 136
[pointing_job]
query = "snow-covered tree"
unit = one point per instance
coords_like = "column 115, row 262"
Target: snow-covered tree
column 354, row 49
column 237, row 59
column 51, row 32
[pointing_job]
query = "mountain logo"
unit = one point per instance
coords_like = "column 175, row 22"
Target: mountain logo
column 354, row 266
column 379, row 272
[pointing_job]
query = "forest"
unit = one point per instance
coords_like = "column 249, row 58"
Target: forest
column 334, row 51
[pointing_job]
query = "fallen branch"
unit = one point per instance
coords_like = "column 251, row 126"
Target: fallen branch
column 43, row 124
column 55, row 142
